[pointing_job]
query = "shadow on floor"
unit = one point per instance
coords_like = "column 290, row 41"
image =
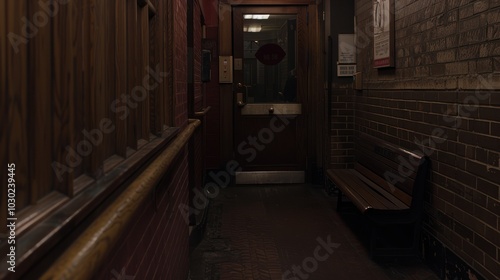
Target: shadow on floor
column 289, row 232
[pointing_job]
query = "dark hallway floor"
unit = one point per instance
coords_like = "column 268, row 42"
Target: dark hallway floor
column 269, row 232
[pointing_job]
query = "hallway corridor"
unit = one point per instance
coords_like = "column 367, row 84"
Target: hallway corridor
column 267, row 232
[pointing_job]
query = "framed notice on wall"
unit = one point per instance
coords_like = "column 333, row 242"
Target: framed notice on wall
column 347, row 48
column 383, row 33
column 346, row 64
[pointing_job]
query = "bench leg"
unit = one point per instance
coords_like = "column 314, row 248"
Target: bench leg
column 339, row 201
column 416, row 236
column 373, row 241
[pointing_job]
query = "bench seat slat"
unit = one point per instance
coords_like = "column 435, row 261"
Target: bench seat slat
column 374, row 198
column 378, row 182
column 346, row 182
column 354, row 185
column 382, row 191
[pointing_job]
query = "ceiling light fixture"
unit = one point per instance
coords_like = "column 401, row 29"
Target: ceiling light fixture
column 252, row 28
column 250, row 16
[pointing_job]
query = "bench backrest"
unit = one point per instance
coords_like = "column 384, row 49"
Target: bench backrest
column 400, row 172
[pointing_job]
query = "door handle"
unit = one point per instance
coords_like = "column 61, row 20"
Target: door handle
column 241, row 97
column 271, row 110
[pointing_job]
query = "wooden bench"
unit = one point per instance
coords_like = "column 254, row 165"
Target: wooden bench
column 387, row 185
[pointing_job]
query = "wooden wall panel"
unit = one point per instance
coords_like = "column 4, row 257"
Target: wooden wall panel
column 144, row 102
column 136, row 92
column 3, row 107
column 98, row 84
column 57, row 89
column 87, row 65
column 63, row 80
column 156, row 56
column 226, row 90
column 17, row 92
column 80, row 86
column 132, row 63
column 40, row 106
column 169, row 61
column 109, row 148
column 121, row 76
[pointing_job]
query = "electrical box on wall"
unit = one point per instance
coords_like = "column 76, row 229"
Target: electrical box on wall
column 225, row 69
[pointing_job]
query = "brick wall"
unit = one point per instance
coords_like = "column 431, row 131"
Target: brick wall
column 444, row 94
column 463, row 207
column 342, row 129
column 438, row 44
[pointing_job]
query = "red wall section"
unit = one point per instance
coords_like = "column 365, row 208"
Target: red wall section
column 210, row 12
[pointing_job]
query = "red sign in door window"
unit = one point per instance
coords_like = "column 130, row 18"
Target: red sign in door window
column 270, row 54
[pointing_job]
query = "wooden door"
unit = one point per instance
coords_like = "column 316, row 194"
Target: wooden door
column 270, row 87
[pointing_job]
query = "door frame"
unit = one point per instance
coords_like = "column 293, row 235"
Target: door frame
column 315, row 120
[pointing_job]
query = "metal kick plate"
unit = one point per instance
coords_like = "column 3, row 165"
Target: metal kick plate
column 269, row 177
column 277, row 109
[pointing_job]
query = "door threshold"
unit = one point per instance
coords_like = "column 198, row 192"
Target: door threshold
column 269, row 177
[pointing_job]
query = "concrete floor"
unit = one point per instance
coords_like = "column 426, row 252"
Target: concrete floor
column 289, row 232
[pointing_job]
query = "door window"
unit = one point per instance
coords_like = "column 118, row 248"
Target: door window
column 270, row 55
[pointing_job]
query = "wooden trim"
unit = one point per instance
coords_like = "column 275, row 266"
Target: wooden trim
column 4, row 105
column 132, row 62
column 87, row 253
column 170, row 96
column 145, row 40
column 60, row 218
column 32, row 215
column 202, row 113
column 226, row 90
column 63, row 102
column 40, row 118
column 121, row 75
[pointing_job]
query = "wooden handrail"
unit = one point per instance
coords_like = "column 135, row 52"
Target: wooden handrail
column 82, row 259
column 203, row 112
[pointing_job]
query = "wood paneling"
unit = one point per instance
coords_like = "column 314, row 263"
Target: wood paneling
column 109, row 148
column 144, row 102
column 17, row 94
column 65, row 74
column 63, row 78
column 153, row 61
column 3, row 107
column 40, row 89
column 64, row 83
column 226, row 90
column 132, row 62
column 121, row 76
column 80, row 83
